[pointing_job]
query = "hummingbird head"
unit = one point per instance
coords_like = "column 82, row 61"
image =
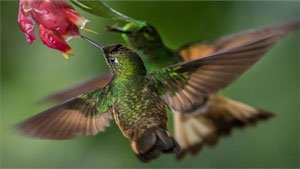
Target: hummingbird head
column 140, row 36
column 121, row 60
column 124, row 61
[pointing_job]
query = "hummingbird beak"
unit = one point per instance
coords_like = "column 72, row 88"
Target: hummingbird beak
column 117, row 29
column 92, row 42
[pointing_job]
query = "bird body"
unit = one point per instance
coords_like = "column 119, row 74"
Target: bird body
column 138, row 109
column 139, row 99
column 134, row 100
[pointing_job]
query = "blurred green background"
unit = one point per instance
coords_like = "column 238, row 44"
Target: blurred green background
column 30, row 72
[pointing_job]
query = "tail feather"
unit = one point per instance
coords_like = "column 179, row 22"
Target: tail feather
column 152, row 142
column 192, row 132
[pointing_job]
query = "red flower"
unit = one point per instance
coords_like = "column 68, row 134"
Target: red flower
column 56, row 19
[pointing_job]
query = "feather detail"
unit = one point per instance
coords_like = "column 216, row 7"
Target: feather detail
column 86, row 86
column 197, row 50
column 194, row 131
column 152, row 142
column 81, row 116
column 186, row 86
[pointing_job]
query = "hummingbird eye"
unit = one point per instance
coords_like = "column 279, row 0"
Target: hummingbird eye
column 113, row 60
column 148, row 29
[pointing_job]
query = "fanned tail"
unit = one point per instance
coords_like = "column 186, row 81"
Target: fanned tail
column 192, row 132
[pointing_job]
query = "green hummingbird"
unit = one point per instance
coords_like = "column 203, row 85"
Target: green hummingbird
column 138, row 100
column 221, row 114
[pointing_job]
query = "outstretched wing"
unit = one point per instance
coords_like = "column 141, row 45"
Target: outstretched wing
column 185, row 86
column 85, row 115
column 89, row 85
column 196, row 50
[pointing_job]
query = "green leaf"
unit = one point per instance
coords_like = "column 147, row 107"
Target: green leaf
column 100, row 8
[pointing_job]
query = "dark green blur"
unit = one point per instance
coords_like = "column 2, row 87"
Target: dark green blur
column 30, row 72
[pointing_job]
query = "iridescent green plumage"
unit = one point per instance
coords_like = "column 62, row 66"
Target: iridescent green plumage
column 146, row 40
column 133, row 96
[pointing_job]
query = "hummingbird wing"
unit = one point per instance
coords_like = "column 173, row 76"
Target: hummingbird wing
column 85, row 115
column 186, row 86
column 89, row 85
column 196, row 50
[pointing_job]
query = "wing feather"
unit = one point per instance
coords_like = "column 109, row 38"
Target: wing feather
column 197, row 50
column 185, row 86
column 80, row 116
column 89, row 85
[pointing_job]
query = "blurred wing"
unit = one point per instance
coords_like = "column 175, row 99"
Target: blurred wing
column 90, row 85
column 86, row 115
column 185, row 86
column 196, row 50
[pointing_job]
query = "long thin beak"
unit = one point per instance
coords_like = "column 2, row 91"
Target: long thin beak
column 117, row 29
column 92, row 42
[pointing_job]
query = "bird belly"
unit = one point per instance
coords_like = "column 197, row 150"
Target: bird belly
column 135, row 112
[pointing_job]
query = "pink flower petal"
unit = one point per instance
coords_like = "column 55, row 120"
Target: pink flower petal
column 57, row 21
column 50, row 15
column 71, row 32
column 63, row 4
column 26, row 24
column 74, row 17
column 52, row 40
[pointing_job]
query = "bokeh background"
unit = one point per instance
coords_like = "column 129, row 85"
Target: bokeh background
column 30, row 72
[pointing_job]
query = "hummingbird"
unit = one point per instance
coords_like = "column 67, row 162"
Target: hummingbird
column 138, row 100
column 220, row 114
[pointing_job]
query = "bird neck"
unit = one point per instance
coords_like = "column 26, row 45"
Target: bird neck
column 123, row 81
column 130, row 72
